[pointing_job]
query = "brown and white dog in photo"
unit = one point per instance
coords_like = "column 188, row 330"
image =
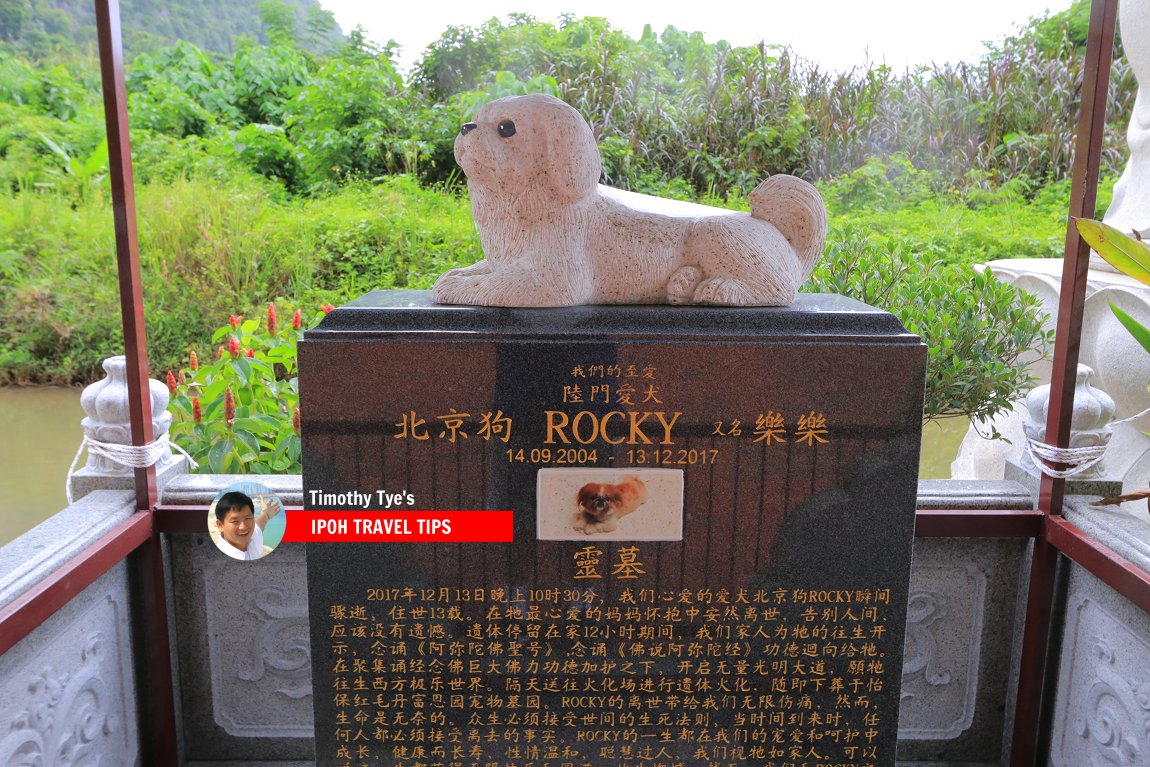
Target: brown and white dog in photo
column 553, row 236
column 601, row 504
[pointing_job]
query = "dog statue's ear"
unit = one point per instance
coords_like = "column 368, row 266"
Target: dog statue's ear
column 574, row 165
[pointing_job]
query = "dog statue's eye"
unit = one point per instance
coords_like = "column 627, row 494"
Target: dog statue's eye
column 506, row 129
column 467, row 128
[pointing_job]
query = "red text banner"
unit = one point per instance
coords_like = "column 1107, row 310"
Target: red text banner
column 378, row 526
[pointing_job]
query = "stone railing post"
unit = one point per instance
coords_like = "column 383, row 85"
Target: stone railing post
column 105, row 404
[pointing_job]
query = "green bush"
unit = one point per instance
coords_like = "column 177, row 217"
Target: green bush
column 267, row 151
column 979, row 332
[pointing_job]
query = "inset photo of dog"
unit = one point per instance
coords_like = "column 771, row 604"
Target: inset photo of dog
column 610, row 504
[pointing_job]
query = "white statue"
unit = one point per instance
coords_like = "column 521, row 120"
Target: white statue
column 1130, row 206
column 553, row 236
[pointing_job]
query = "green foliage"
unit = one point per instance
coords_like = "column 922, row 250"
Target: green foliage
column 266, row 150
column 263, row 79
column 272, row 173
column 351, row 121
column 1127, row 254
column 41, row 28
column 167, row 109
column 978, row 330
column 236, row 411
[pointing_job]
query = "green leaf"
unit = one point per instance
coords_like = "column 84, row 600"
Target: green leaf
column 1119, row 249
column 218, row 455
column 1140, row 332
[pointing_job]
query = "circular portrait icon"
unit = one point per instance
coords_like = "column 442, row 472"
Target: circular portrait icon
column 246, row 520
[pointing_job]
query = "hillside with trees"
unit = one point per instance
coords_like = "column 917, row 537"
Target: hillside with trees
column 282, row 172
column 39, row 28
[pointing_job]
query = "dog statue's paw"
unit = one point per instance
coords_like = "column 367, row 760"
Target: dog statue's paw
column 578, row 522
column 723, row 291
column 681, row 286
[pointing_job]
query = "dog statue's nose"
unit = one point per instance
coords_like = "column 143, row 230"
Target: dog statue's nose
column 467, row 128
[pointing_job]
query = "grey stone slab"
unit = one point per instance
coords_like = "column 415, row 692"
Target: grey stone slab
column 241, row 633
column 35, row 554
column 1125, row 528
column 67, row 690
column 202, row 489
column 972, row 494
column 1030, row 478
column 1102, row 701
column 957, row 664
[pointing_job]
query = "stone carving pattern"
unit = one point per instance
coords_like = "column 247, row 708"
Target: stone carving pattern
column 942, row 651
column 924, row 608
column 263, row 690
column 1116, row 719
column 281, row 642
column 67, row 717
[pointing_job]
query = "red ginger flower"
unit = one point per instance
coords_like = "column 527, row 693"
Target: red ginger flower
column 220, row 353
column 272, row 319
column 295, row 421
column 249, row 353
column 327, row 308
column 171, row 382
column 229, row 406
column 234, row 347
column 296, row 320
column 193, row 360
column 235, row 319
column 183, row 380
column 197, row 414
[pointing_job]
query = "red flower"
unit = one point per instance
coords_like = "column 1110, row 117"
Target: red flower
column 272, row 319
column 197, row 415
column 220, row 353
column 235, row 319
column 249, row 353
column 296, row 320
column 194, row 360
column 295, row 421
column 327, row 308
column 229, row 406
column 234, row 347
column 171, row 382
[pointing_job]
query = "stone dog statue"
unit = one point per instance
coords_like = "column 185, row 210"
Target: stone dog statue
column 553, row 236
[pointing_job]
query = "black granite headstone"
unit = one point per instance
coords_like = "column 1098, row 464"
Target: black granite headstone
column 749, row 611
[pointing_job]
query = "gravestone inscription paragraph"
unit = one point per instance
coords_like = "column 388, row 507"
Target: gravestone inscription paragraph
column 713, row 515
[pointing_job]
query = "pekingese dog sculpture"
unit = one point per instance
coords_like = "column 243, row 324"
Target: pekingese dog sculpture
column 600, row 505
column 553, row 236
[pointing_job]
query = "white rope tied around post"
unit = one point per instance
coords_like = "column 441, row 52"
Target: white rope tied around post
column 132, row 456
column 1077, row 459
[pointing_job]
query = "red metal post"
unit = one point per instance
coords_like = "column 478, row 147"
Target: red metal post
column 157, row 698
column 1076, row 262
column 127, row 249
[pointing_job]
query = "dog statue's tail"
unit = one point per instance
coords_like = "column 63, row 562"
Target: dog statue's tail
column 796, row 209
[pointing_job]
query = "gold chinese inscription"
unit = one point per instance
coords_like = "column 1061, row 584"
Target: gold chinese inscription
column 599, row 409
column 502, row 677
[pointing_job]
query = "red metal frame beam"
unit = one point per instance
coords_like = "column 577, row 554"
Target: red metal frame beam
column 19, row 618
column 1076, row 262
column 970, row 523
column 1125, row 577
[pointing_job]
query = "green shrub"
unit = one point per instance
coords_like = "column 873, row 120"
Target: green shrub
column 978, row 331
column 166, row 109
column 267, row 150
